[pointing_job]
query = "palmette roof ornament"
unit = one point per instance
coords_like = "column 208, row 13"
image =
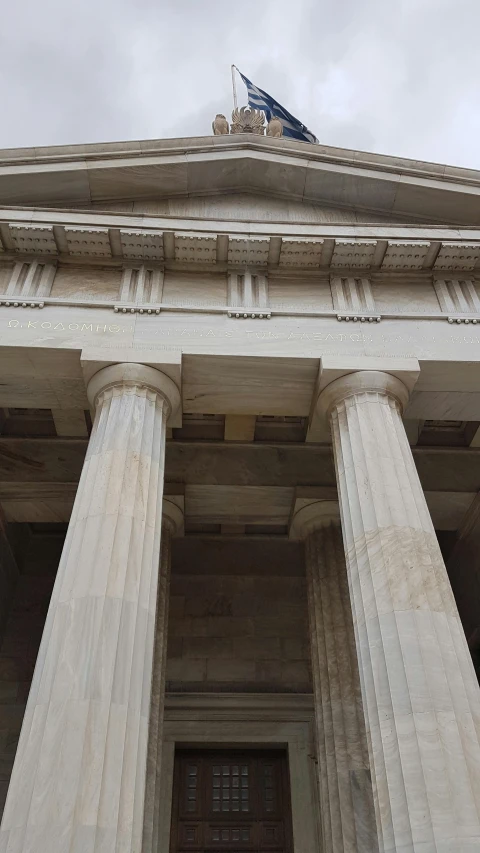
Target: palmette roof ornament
column 246, row 120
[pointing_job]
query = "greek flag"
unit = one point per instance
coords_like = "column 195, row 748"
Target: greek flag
column 292, row 127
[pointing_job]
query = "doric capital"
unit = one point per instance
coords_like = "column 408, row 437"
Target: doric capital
column 313, row 515
column 173, row 515
column 362, row 382
column 130, row 375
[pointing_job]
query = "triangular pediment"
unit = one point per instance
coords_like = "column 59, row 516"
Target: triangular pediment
column 248, row 207
column 296, row 181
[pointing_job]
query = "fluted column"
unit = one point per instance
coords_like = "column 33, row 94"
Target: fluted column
column 420, row 695
column 78, row 782
column 346, row 800
column 172, row 525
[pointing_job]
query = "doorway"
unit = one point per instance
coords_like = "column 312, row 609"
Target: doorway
column 231, row 801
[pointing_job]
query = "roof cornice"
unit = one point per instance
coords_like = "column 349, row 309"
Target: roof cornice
column 81, row 174
column 206, row 144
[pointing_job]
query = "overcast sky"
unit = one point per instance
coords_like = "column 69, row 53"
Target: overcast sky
column 391, row 76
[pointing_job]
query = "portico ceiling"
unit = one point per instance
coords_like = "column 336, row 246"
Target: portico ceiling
column 236, row 485
column 81, row 174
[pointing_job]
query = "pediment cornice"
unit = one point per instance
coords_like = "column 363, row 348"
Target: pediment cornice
column 82, row 174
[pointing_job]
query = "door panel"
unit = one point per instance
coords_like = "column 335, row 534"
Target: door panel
column 231, row 802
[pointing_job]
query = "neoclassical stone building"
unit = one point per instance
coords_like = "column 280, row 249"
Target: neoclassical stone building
column 239, row 489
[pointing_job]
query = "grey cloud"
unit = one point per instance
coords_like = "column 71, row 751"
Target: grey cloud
column 393, row 76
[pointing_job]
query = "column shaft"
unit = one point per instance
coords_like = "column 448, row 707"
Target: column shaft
column 348, row 818
column 420, row 694
column 78, row 783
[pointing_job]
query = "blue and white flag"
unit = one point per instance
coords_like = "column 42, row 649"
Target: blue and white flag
column 260, row 100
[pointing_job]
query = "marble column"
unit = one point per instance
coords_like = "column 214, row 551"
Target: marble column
column 78, row 782
column 420, row 695
column 172, row 525
column 346, row 801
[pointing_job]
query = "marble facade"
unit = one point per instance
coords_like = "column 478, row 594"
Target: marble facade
column 244, row 374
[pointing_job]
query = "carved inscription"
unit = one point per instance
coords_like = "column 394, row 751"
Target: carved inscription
column 278, row 336
column 98, row 328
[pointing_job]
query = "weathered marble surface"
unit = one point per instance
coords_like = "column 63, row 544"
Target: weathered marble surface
column 205, row 332
column 420, row 694
column 243, row 206
column 78, row 782
column 346, row 800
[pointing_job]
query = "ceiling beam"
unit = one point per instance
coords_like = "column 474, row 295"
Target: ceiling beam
column 56, row 461
column 225, row 483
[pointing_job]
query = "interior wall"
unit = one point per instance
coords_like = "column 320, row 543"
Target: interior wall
column 238, row 617
column 37, row 556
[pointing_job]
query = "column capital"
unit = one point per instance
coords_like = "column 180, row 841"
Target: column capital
column 173, row 514
column 131, row 374
column 311, row 515
column 362, row 382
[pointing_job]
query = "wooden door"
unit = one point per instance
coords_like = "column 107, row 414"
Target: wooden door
column 231, row 802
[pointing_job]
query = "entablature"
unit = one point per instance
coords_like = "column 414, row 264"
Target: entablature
column 236, row 270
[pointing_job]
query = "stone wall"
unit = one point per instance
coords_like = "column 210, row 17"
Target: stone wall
column 238, row 617
column 37, row 557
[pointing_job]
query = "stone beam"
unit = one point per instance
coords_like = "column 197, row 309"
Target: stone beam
column 70, row 422
column 239, row 427
column 225, row 483
column 41, row 460
column 59, row 461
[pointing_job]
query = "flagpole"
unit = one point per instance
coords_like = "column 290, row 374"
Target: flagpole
column 234, row 87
